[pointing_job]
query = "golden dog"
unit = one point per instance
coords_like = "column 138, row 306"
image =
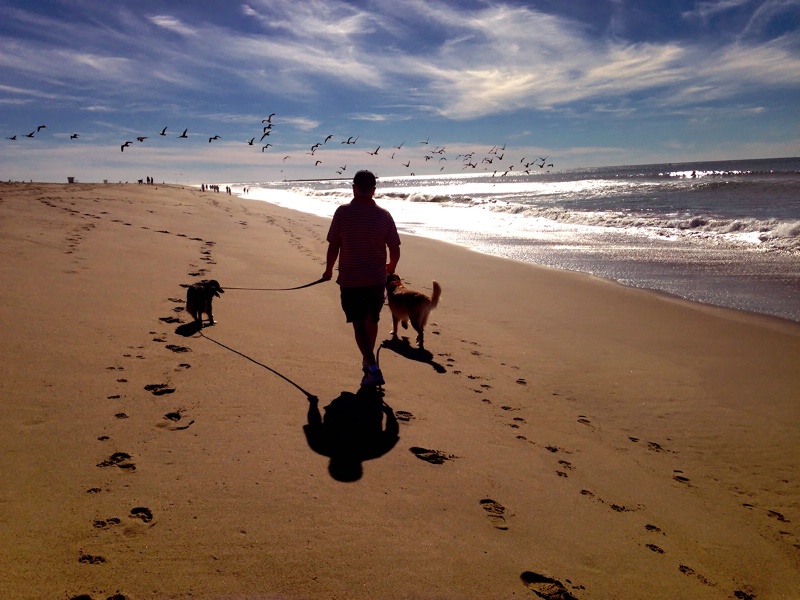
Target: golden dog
column 407, row 305
column 198, row 299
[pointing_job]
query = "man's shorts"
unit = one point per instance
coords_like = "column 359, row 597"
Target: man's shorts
column 359, row 303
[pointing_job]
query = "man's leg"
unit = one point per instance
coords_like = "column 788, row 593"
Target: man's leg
column 366, row 333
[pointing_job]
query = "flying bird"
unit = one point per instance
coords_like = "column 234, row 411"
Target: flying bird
column 184, row 134
column 350, row 140
column 30, row 135
column 164, row 131
column 268, row 119
column 314, row 147
column 401, row 145
column 73, row 136
column 374, row 152
column 268, row 127
column 325, row 141
column 426, row 141
column 252, row 139
column 265, row 147
column 142, row 138
column 123, row 146
column 215, row 137
column 319, row 162
column 266, row 133
column 13, row 137
column 40, row 127
column 285, row 157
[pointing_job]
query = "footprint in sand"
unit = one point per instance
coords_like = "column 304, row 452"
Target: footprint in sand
column 170, row 319
column 680, row 478
column 159, row 389
column 546, row 587
column 106, row 523
column 655, row 548
column 118, row 459
column 403, row 415
column 435, row 457
column 175, row 348
column 89, row 559
column 691, row 572
column 496, row 513
column 141, row 512
column 174, row 417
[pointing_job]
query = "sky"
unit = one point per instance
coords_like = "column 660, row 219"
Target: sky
column 416, row 86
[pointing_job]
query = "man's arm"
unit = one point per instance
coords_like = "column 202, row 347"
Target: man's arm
column 332, row 255
column 394, row 258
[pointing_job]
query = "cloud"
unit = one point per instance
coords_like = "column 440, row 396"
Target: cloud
column 706, row 10
column 172, row 24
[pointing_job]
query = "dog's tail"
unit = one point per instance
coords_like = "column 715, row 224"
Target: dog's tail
column 437, row 292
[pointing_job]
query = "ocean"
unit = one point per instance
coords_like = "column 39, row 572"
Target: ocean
column 725, row 233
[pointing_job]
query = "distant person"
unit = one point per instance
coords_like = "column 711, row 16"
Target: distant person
column 359, row 235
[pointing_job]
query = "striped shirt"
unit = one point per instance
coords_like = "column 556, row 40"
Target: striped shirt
column 362, row 230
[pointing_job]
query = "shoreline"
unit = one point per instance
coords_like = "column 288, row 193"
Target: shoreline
column 558, row 429
column 704, row 279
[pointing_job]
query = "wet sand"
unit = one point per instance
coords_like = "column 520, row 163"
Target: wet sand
column 560, row 435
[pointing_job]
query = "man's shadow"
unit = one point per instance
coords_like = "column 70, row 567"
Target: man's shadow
column 355, row 427
column 403, row 347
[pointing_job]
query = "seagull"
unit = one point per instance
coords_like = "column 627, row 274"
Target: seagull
column 344, row 168
column 123, row 146
column 265, row 147
column 268, row 119
column 40, row 127
column 142, row 138
column 350, row 140
column 401, row 145
column 407, row 164
column 268, row 127
column 184, row 134
column 252, row 139
column 216, row 137
column 285, row 157
column 325, row 141
column 314, row 147
column 319, row 162
column 266, row 133
column 164, row 131
column 375, row 152
column 30, row 135
column 426, row 141
column 13, row 137
column 72, row 137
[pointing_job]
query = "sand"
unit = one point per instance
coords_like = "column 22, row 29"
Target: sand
column 560, row 436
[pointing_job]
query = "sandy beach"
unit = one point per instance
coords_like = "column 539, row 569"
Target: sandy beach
column 560, row 436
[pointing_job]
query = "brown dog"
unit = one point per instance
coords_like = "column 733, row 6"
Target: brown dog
column 407, row 305
column 198, row 299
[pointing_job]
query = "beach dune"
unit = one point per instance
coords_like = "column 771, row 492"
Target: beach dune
column 560, row 436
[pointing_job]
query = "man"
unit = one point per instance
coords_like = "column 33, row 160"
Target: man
column 359, row 235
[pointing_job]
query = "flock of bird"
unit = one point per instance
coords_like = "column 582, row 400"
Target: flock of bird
column 493, row 160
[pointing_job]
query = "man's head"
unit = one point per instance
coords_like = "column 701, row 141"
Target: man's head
column 364, row 183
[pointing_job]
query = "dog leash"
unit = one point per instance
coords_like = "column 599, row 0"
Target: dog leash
column 299, row 287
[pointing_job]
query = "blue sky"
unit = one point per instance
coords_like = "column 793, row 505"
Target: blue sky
column 581, row 82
